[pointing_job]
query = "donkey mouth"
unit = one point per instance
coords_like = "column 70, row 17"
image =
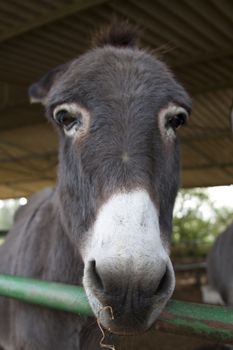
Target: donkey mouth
column 123, row 326
column 131, row 320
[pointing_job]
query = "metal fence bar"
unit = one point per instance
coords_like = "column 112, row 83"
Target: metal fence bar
column 53, row 295
column 190, row 267
column 206, row 321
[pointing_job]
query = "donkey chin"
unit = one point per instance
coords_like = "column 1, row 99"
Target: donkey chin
column 128, row 275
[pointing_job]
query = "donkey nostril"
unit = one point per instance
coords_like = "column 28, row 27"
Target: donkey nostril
column 94, row 275
column 163, row 283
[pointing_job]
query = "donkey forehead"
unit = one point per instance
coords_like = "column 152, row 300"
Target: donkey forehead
column 114, row 72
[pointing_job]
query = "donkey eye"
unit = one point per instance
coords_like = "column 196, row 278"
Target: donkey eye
column 65, row 118
column 178, row 119
column 72, row 118
column 69, row 117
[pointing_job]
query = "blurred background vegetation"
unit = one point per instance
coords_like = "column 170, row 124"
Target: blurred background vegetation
column 197, row 221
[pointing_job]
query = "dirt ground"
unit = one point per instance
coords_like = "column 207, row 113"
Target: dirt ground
column 187, row 289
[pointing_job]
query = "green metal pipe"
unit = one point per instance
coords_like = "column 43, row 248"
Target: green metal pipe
column 49, row 294
column 206, row 321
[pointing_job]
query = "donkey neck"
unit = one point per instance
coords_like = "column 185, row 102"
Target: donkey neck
column 63, row 261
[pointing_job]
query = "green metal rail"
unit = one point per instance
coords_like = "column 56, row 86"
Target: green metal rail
column 210, row 322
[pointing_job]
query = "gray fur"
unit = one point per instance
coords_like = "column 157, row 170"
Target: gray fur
column 124, row 89
column 220, row 265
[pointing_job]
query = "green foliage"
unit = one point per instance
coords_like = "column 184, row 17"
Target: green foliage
column 197, row 220
column 7, row 212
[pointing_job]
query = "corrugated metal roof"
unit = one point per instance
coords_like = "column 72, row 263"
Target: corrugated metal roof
column 193, row 37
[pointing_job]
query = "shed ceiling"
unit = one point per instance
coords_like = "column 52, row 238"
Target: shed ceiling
column 196, row 38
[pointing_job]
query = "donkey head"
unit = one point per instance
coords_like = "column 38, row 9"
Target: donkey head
column 117, row 109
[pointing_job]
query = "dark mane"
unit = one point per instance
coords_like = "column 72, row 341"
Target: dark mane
column 119, row 34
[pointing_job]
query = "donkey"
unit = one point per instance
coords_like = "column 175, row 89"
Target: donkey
column 107, row 224
column 220, row 266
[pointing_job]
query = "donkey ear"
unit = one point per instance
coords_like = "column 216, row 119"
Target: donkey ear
column 38, row 91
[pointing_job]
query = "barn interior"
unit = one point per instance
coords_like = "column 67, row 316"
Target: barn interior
column 193, row 37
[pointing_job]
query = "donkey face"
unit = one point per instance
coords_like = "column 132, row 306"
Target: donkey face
column 117, row 110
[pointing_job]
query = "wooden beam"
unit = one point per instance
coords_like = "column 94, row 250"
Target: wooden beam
column 209, row 159
column 32, row 156
column 212, row 166
column 11, row 95
column 203, row 89
column 190, row 181
column 141, row 16
column 50, row 17
column 185, row 14
column 206, row 135
column 201, row 59
column 166, row 19
column 28, row 180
